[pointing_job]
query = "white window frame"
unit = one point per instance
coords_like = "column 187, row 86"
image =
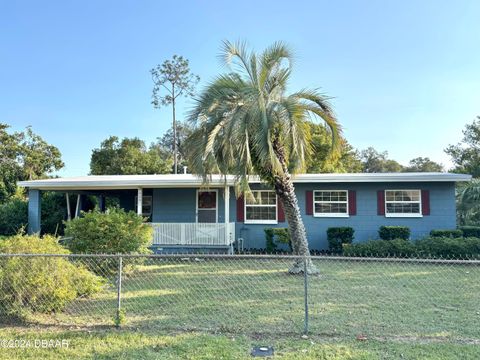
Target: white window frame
column 216, row 205
column 245, row 205
column 404, row 215
column 336, row 215
column 144, row 197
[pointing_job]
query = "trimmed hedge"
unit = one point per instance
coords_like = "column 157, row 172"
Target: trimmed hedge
column 449, row 247
column 337, row 236
column 470, row 231
column 36, row 284
column 274, row 236
column 446, row 247
column 456, row 233
column 394, row 232
column 380, row 248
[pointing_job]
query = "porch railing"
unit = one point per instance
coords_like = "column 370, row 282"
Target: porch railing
column 185, row 234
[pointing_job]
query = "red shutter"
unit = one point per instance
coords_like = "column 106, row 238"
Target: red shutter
column 309, row 202
column 240, row 209
column 280, row 212
column 352, row 202
column 381, row 202
column 425, row 202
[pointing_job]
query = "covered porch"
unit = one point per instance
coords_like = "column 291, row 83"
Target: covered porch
column 183, row 215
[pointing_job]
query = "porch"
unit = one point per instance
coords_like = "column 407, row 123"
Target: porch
column 186, row 216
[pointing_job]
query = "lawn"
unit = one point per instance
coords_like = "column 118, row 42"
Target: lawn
column 216, row 308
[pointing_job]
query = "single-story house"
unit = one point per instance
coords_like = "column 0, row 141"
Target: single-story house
column 186, row 215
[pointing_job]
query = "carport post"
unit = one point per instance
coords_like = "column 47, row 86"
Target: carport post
column 34, row 211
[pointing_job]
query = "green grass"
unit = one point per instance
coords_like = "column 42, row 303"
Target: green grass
column 218, row 309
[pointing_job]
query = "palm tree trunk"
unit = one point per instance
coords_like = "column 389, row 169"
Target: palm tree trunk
column 286, row 192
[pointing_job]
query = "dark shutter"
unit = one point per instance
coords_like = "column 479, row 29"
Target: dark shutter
column 352, row 202
column 425, row 202
column 309, row 202
column 240, row 209
column 381, row 202
column 280, row 212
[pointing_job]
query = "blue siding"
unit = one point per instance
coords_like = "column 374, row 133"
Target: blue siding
column 366, row 222
column 179, row 205
column 34, row 211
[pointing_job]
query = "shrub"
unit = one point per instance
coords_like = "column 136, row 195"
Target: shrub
column 40, row 284
column 456, row 233
column 337, row 236
column 394, row 232
column 380, row 248
column 448, row 247
column 274, row 236
column 113, row 232
column 13, row 216
column 470, row 231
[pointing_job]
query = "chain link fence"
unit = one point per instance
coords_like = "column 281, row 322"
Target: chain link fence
column 251, row 295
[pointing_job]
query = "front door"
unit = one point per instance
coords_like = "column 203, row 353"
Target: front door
column 207, row 206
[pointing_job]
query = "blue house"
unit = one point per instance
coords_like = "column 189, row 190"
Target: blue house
column 186, row 214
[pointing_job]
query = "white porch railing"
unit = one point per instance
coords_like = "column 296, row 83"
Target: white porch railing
column 185, row 234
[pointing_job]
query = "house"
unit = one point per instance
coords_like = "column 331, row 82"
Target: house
column 186, row 215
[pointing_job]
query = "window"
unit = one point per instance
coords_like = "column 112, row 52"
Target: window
column 403, row 203
column 262, row 210
column 146, row 205
column 330, row 203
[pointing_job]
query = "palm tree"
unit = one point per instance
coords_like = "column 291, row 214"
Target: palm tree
column 468, row 198
column 246, row 124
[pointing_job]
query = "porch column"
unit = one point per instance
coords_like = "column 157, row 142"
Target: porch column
column 34, row 211
column 226, row 199
column 78, row 208
column 101, row 203
column 69, row 212
column 139, row 201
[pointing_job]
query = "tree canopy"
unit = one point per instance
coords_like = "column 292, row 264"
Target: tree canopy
column 322, row 160
column 24, row 155
column 129, row 156
column 466, row 154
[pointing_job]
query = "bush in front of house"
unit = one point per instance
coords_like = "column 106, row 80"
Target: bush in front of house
column 13, row 216
column 274, row 236
column 380, row 248
column 470, row 231
column 448, row 247
column 40, row 284
column 442, row 233
column 112, row 232
column 394, row 232
column 337, row 236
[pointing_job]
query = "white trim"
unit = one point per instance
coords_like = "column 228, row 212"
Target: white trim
column 216, row 205
column 97, row 182
column 403, row 215
column 333, row 215
column 266, row 222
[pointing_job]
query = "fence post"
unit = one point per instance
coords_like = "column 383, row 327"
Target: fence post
column 305, row 291
column 119, row 291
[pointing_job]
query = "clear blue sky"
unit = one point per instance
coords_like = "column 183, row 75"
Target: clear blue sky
column 405, row 74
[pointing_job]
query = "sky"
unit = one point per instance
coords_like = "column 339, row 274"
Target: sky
column 404, row 75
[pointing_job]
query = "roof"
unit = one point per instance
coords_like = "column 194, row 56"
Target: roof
column 106, row 182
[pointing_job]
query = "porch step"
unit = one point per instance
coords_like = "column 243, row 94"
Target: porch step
column 192, row 249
